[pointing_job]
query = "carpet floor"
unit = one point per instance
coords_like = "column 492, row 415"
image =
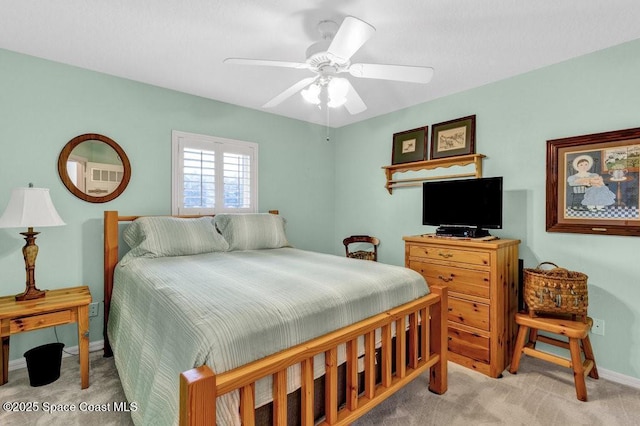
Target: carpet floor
column 540, row 394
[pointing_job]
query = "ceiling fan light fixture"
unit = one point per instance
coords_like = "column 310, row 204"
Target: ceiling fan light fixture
column 311, row 94
column 338, row 89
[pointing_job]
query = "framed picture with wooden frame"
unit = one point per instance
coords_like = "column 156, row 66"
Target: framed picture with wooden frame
column 453, row 137
column 592, row 183
column 410, row 146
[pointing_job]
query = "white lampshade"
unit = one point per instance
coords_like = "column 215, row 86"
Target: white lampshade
column 338, row 89
column 30, row 208
column 311, row 94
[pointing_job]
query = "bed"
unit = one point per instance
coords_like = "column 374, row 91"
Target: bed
column 208, row 333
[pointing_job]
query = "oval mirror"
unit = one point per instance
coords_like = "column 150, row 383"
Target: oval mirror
column 94, row 168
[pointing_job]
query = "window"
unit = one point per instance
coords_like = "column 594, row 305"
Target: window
column 213, row 175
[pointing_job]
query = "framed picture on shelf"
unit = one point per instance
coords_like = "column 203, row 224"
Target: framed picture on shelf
column 410, row 146
column 592, row 183
column 454, row 137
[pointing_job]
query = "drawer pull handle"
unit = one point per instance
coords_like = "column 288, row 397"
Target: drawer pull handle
column 450, row 309
column 445, row 279
column 445, row 255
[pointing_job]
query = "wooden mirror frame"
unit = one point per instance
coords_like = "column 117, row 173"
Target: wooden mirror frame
column 64, row 157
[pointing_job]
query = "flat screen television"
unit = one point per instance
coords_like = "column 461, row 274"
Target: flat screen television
column 465, row 207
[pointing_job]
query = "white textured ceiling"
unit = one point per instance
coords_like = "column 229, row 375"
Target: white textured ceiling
column 180, row 45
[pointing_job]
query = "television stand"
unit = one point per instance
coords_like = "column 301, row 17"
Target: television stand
column 461, row 231
column 482, row 278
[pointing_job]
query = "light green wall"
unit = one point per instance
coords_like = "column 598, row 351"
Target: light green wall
column 595, row 93
column 43, row 105
column 325, row 190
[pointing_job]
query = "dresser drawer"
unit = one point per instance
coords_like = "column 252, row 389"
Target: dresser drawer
column 459, row 280
column 35, row 322
column 473, row 314
column 450, row 254
column 469, row 344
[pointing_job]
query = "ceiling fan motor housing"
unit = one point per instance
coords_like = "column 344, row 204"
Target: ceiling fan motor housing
column 318, row 57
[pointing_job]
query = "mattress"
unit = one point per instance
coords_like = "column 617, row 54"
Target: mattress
column 226, row 309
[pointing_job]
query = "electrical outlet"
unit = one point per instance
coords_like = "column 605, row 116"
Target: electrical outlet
column 94, row 308
column 598, row 327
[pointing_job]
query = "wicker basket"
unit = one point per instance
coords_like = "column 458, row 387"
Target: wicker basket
column 556, row 290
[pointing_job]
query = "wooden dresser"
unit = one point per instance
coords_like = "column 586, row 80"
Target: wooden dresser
column 482, row 277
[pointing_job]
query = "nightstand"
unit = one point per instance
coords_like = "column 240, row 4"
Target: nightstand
column 58, row 307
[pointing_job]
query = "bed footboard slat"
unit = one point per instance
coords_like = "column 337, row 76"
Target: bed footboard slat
column 425, row 348
column 331, row 385
column 401, row 348
column 386, row 355
column 352, row 374
column 247, row 404
column 280, row 397
column 307, row 395
column 369, row 364
column 413, row 340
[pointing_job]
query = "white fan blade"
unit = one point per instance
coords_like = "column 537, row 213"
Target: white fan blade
column 351, row 35
column 266, row 63
column 392, row 72
column 355, row 104
column 290, row 92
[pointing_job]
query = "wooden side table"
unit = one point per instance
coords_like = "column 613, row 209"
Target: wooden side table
column 58, row 307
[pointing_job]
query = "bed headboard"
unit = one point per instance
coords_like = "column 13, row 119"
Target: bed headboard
column 111, row 252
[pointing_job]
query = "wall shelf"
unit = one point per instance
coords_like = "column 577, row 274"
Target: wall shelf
column 461, row 160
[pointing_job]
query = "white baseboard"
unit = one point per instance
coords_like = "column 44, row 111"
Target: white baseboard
column 98, row 345
column 619, row 378
column 19, row 363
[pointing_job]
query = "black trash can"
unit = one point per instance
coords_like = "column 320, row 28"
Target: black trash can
column 43, row 363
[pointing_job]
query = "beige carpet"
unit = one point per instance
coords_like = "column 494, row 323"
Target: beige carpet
column 540, row 394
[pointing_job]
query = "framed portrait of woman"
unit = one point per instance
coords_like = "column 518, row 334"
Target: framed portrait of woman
column 593, row 183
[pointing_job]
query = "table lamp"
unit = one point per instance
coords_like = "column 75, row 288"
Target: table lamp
column 30, row 207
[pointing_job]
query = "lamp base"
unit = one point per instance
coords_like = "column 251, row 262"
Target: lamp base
column 30, row 252
column 30, row 293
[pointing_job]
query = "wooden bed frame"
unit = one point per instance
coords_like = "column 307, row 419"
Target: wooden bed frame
column 421, row 348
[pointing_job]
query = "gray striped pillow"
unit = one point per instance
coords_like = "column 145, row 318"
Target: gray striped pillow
column 172, row 236
column 252, row 231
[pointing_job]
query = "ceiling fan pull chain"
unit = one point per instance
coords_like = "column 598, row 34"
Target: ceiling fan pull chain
column 328, row 136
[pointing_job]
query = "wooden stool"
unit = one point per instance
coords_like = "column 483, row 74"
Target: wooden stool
column 575, row 331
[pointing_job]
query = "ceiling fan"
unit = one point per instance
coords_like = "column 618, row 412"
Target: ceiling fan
column 330, row 57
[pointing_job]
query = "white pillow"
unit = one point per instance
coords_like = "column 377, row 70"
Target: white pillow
column 171, row 236
column 252, row 231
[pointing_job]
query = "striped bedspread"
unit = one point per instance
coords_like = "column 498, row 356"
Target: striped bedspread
column 227, row 309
